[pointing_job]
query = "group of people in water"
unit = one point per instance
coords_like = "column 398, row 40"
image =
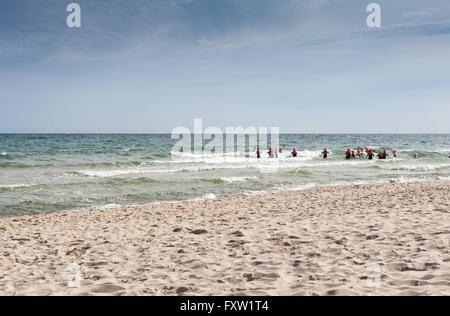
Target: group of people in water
column 273, row 153
column 368, row 153
column 361, row 153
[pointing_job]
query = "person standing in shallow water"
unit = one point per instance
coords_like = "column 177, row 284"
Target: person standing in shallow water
column 348, row 154
column 258, row 153
column 294, row 153
column 325, row 153
column 363, row 154
column 370, row 154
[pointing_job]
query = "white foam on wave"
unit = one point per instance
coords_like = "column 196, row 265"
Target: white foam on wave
column 107, row 206
column 205, row 155
column 14, row 186
column 209, row 196
column 237, row 179
column 296, row 187
column 309, row 154
column 237, row 156
column 99, row 207
column 293, row 163
column 3, row 154
column 442, row 151
column 143, row 170
column 120, row 172
column 419, row 167
column 205, row 197
column 416, row 168
column 214, row 160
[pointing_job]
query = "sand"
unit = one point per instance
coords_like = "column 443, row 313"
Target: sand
column 391, row 239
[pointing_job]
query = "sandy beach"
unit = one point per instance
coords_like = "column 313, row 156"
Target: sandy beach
column 391, row 239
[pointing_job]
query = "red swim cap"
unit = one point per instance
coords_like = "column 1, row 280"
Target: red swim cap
column 348, row 149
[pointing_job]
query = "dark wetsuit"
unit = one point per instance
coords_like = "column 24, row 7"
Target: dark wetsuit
column 370, row 155
column 325, row 154
column 294, row 154
column 258, row 154
column 348, row 155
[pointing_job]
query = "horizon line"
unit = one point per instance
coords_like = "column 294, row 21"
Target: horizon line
column 166, row 133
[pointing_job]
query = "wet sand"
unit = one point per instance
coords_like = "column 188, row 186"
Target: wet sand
column 391, row 239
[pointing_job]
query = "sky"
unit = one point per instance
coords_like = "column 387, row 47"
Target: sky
column 149, row 66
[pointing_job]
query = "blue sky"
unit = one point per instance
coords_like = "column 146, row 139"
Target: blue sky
column 152, row 65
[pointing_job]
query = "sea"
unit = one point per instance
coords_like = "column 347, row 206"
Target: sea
column 41, row 173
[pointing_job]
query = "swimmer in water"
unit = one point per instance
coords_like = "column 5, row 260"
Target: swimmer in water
column 294, row 153
column 348, row 154
column 353, row 154
column 325, row 153
column 385, row 154
column 258, row 153
column 358, row 154
column 395, row 154
column 380, row 155
column 364, row 154
column 270, row 152
column 415, row 155
column 370, row 154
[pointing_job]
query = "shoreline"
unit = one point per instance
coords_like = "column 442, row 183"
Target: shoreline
column 319, row 241
column 256, row 193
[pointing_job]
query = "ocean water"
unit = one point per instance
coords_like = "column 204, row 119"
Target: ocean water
column 50, row 173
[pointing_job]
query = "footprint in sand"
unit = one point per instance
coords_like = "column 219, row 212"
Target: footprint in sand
column 107, row 289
